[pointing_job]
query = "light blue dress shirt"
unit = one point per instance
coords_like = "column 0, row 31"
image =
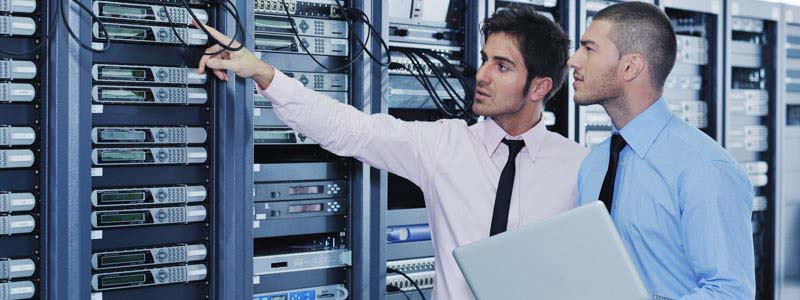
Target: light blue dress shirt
column 682, row 205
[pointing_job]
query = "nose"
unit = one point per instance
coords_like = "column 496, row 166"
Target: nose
column 482, row 76
column 575, row 59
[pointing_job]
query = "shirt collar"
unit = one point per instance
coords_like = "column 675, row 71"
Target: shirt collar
column 641, row 132
column 493, row 135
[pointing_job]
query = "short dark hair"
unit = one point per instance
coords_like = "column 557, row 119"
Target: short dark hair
column 543, row 44
column 643, row 28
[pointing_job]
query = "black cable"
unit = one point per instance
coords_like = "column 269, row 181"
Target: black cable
column 305, row 49
column 231, row 10
column 392, row 270
column 426, row 82
column 178, row 35
column 363, row 49
column 363, row 17
column 423, row 79
column 452, row 71
column 46, row 36
column 464, row 104
column 239, row 27
column 175, row 29
column 416, row 65
column 383, row 43
column 405, row 294
column 362, row 44
column 432, row 89
column 468, row 92
column 416, row 55
column 445, row 83
column 100, row 24
column 393, row 289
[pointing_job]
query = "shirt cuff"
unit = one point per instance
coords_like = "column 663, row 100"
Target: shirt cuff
column 281, row 89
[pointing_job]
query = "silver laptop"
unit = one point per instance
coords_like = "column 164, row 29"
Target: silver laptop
column 575, row 255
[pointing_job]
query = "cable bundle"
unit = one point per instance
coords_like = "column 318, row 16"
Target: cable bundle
column 423, row 61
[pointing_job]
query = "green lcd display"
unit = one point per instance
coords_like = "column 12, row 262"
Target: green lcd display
column 122, row 218
column 122, row 73
column 127, row 32
column 306, row 190
column 126, row 11
column 123, row 259
column 122, row 135
column 269, row 23
column 294, row 209
column 128, row 197
column 123, row 156
column 132, row 279
column 126, row 95
column 276, row 42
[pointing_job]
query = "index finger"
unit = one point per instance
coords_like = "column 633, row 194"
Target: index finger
column 217, row 35
column 201, row 68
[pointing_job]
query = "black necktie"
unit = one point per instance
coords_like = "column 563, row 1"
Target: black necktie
column 607, row 192
column 502, row 201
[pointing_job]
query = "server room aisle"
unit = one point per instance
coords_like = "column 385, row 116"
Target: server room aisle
column 126, row 174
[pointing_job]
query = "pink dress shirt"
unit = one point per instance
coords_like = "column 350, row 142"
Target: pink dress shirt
column 456, row 166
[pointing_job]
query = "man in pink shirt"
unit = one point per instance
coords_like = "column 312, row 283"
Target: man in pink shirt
column 478, row 180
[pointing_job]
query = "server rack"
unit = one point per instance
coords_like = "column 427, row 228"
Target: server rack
column 407, row 235
column 787, row 206
column 306, row 239
column 375, row 102
column 750, row 116
column 61, row 245
column 693, row 89
column 120, row 153
column 24, row 151
column 56, row 189
column 153, row 139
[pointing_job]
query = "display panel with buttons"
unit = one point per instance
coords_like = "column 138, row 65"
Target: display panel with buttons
column 300, row 209
column 150, row 34
column 148, row 135
column 159, row 276
column 145, row 217
column 147, row 13
column 149, row 95
column 304, row 26
column 148, row 196
column 281, row 191
column 314, row 45
column 148, row 256
column 148, row 156
column 146, row 74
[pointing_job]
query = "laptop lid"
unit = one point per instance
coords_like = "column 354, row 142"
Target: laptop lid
column 574, row 255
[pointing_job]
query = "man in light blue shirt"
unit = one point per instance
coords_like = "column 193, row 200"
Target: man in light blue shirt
column 680, row 202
